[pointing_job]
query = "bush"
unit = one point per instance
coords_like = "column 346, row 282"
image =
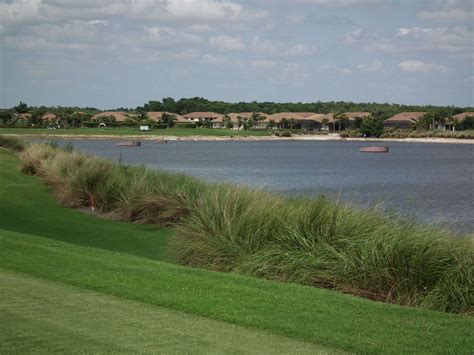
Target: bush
column 283, row 133
column 350, row 134
column 308, row 241
column 12, row 143
column 185, row 125
column 400, row 133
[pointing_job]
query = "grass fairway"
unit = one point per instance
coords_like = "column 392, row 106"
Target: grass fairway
column 179, row 132
column 49, row 317
column 26, row 206
column 303, row 313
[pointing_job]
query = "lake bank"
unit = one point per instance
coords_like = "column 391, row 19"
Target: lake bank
column 301, row 313
column 231, row 228
column 150, row 137
column 429, row 182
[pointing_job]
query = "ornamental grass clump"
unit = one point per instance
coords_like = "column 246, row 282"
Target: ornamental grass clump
column 314, row 242
column 12, row 143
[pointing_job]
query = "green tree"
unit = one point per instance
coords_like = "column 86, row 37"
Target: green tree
column 291, row 123
column 168, row 120
column 228, row 122
column 142, row 115
column 343, row 121
column 425, row 121
column 240, row 122
column 284, row 123
column 21, row 107
column 372, row 126
column 256, row 118
column 271, row 124
column 325, row 123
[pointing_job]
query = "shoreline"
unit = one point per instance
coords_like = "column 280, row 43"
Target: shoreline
column 329, row 137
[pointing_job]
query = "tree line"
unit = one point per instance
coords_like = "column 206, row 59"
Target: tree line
column 383, row 110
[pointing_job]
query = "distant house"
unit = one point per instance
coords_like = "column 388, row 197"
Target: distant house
column 452, row 121
column 324, row 122
column 118, row 116
column 460, row 117
column 299, row 120
column 403, row 120
column 156, row 116
column 234, row 117
column 23, row 116
column 202, row 116
column 352, row 118
column 50, row 117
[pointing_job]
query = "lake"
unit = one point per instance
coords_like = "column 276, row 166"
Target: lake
column 430, row 182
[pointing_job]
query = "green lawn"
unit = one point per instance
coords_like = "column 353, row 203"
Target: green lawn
column 27, row 207
column 304, row 313
column 41, row 316
column 50, row 260
column 179, row 132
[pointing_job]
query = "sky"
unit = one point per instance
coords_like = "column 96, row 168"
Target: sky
column 110, row 54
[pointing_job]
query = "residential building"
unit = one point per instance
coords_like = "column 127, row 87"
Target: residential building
column 403, row 120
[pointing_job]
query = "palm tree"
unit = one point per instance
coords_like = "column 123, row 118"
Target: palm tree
column 343, row 120
column 292, row 123
column 325, row 123
column 227, row 122
column 255, row 118
column 240, row 122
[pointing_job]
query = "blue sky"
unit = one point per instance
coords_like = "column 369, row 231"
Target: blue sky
column 109, row 54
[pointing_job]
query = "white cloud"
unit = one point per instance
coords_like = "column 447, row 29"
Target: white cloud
column 335, row 69
column 296, row 19
column 340, row 3
column 19, row 11
column 301, row 50
column 416, row 39
column 227, row 43
column 375, row 66
column 279, row 48
column 264, row 64
column 449, row 10
column 212, row 59
column 203, row 9
column 170, row 37
column 418, row 66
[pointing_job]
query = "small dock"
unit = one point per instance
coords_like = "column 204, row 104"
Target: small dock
column 129, row 144
column 374, row 150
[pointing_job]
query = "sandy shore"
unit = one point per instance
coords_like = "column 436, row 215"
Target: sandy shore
column 329, row 137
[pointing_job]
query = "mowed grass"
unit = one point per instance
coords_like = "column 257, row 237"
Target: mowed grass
column 303, row 313
column 27, row 206
column 44, row 316
column 179, row 132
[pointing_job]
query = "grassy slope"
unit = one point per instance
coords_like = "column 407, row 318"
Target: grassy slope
column 44, row 316
column 134, row 131
column 28, row 207
column 304, row 313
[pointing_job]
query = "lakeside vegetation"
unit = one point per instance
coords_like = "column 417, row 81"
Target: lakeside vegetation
column 309, row 241
column 404, row 133
column 298, row 317
column 178, row 132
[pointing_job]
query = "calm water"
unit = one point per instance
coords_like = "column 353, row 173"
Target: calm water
column 430, row 182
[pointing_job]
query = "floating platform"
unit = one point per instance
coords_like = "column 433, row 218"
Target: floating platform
column 374, row 150
column 129, row 144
